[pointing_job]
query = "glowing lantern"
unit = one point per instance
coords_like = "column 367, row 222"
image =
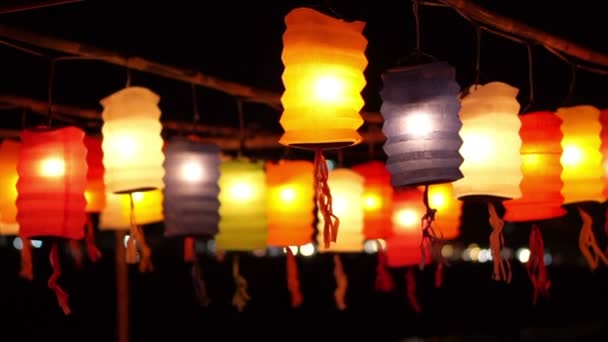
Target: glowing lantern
column 324, row 60
column 377, row 199
column 491, row 142
column 604, row 148
column 347, row 191
column 9, row 155
column 147, row 209
column 581, row 158
column 449, row 210
column 541, row 185
column 421, row 123
column 191, row 188
column 243, row 222
column 132, row 144
column 403, row 246
column 95, row 192
column 52, row 172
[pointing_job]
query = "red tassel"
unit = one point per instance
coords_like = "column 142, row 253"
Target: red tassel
column 92, row 251
column 587, row 243
column 324, row 200
column 189, row 249
column 439, row 275
column 76, row 253
column 341, row 283
column 410, row 279
column 536, row 265
column 27, row 267
column 293, row 281
column 62, row 296
column 384, row 280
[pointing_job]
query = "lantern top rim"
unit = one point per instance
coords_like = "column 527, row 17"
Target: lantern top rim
column 324, row 17
column 143, row 91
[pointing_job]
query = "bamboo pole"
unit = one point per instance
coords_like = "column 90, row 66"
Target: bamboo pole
column 122, row 288
column 30, row 5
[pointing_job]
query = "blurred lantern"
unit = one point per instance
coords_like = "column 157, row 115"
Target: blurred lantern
column 604, row 150
column 52, row 172
column 449, row 210
column 492, row 160
column 132, row 148
column 243, row 220
column 403, row 247
column 95, row 192
column 582, row 171
column 421, row 124
column 324, row 60
column 9, row 155
column 290, row 213
column 347, row 195
column 377, row 199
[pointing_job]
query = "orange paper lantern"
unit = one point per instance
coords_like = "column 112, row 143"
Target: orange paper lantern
column 541, row 185
column 9, row 155
column 95, row 192
column 403, row 246
column 604, row 148
column 377, row 199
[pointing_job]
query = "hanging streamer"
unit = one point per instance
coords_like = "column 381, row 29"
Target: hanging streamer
column 241, row 297
column 324, row 200
column 93, row 252
column 198, row 282
column 189, row 249
column 410, row 278
column 76, row 253
column 62, row 296
column 293, row 281
column 27, row 267
column 432, row 240
column 536, row 265
column 500, row 272
column 587, row 243
column 137, row 239
column 341, row 283
column 384, row 280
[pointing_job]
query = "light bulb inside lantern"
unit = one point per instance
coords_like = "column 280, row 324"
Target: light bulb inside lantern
column 287, row 194
column 531, row 161
column 327, row 88
column 192, row 172
column 371, row 202
column 406, row 219
column 572, row 155
column 137, row 196
column 418, row 124
column 438, row 200
column 476, row 147
column 241, row 191
column 125, row 147
column 339, row 205
column 53, row 167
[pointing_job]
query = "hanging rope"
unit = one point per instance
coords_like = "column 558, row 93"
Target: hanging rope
column 198, row 283
column 410, row 279
column 530, row 79
column 500, row 272
column 239, row 107
column 93, row 252
column 477, row 54
column 431, row 243
column 384, row 280
column 341, row 283
column 587, row 243
column 195, row 114
column 241, row 297
column 50, row 92
column 293, row 281
column 137, row 239
column 27, row 267
column 62, row 296
column 536, row 265
column 324, row 200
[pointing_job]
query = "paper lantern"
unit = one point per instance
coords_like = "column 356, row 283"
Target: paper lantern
column 581, row 159
column 403, row 246
column 290, row 207
column 95, row 192
column 147, row 209
column 132, row 145
column 347, row 191
column 324, row 60
column 9, row 155
column 191, row 190
column 541, row 185
column 243, row 220
column 421, row 124
column 377, row 199
column 449, row 210
column 491, row 142
column 52, row 172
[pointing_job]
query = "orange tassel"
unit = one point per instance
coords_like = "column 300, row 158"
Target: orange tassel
column 324, row 200
column 200, row 288
column 241, row 296
column 92, row 251
column 384, row 280
column 410, row 279
column 341, row 283
column 500, row 272
column 536, row 265
column 62, row 296
column 76, row 253
column 137, row 239
column 587, row 243
column 293, row 282
column 189, row 249
column 439, row 275
column 27, row 267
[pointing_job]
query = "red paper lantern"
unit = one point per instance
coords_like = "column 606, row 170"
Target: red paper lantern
column 541, row 186
column 52, row 172
column 95, row 192
column 604, row 148
column 377, row 199
column 403, row 246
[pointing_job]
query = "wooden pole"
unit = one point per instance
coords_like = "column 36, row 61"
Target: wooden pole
column 23, row 6
column 122, row 288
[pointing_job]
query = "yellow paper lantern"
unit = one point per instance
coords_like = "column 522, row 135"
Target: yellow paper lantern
column 132, row 145
column 9, row 155
column 147, row 205
column 243, row 222
column 291, row 204
column 491, row 142
column 347, row 192
column 324, row 60
column 449, row 210
column 581, row 158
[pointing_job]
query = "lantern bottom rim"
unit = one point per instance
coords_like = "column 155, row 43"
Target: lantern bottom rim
column 129, row 191
column 322, row 146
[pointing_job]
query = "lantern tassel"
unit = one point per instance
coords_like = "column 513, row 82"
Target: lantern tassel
column 536, row 265
column 27, row 267
column 341, row 283
column 76, row 253
column 241, row 297
column 384, row 280
column 439, row 275
column 137, row 239
column 587, row 243
column 432, row 240
column 62, row 296
column 606, row 228
column 324, row 200
column 92, row 251
column 410, row 278
column 198, row 282
column 189, row 249
column 293, row 281
column 500, row 272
